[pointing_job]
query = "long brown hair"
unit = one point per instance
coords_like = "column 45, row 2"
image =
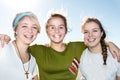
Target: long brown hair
column 102, row 40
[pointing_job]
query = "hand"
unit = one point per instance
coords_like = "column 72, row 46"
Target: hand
column 4, row 39
column 35, row 77
column 114, row 50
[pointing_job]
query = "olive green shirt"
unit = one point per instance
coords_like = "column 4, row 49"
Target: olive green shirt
column 53, row 65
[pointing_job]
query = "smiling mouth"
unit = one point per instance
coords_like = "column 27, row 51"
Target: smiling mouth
column 56, row 36
column 91, row 40
column 28, row 36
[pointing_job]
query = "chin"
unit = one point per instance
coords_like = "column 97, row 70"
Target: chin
column 29, row 42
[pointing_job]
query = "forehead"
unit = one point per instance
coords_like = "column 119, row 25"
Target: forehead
column 55, row 19
column 91, row 25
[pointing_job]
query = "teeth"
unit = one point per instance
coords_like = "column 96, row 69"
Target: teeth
column 28, row 36
column 56, row 36
column 91, row 40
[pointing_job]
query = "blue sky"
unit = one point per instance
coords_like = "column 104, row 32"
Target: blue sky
column 107, row 11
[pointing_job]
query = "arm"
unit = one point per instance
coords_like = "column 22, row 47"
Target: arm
column 114, row 50
column 35, row 78
column 4, row 39
column 118, row 78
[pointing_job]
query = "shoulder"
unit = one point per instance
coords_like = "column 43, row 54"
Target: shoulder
column 35, row 46
column 111, row 58
column 7, row 48
column 76, row 43
column 85, row 52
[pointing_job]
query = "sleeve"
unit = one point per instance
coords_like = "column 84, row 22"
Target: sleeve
column 30, row 48
column 79, row 47
column 34, row 49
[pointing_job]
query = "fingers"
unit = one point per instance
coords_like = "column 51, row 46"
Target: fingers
column 119, row 56
column 116, row 55
column 7, row 39
column 1, row 40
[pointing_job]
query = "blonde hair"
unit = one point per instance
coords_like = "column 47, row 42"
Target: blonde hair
column 20, row 16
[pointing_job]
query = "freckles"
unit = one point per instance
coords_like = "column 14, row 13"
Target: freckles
column 85, row 39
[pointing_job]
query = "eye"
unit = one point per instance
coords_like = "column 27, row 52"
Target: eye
column 24, row 26
column 34, row 27
column 95, row 30
column 85, row 32
column 51, row 27
column 61, row 27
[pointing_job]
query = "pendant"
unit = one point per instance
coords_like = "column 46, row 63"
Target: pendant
column 26, row 73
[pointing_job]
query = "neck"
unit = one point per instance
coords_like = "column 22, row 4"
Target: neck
column 58, row 46
column 21, row 50
column 22, row 47
column 96, row 49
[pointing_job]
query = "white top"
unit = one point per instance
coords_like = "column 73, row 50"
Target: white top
column 11, row 67
column 92, row 68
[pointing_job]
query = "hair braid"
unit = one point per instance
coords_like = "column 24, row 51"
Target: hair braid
column 104, row 51
column 102, row 41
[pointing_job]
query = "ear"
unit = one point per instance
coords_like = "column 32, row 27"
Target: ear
column 14, row 29
column 47, row 30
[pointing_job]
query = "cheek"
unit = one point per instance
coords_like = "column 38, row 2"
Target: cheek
column 19, row 32
column 35, row 33
column 98, row 36
column 63, row 32
column 48, row 31
column 85, row 40
column 85, row 37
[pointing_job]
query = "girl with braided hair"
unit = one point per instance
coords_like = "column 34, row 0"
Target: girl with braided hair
column 60, row 60
column 96, row 62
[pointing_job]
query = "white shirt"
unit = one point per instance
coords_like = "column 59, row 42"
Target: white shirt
column 92, row 68
column 11, row 66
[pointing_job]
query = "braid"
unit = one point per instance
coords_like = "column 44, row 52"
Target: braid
column 104, row 51
column 102, row 41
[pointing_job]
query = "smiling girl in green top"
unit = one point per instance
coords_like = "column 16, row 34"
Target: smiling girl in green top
column 59, row 61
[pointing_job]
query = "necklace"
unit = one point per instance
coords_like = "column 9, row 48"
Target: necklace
column 26, row 71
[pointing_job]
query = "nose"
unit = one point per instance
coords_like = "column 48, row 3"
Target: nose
column 56, row 30
column 30, row 30
column 90, row 34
